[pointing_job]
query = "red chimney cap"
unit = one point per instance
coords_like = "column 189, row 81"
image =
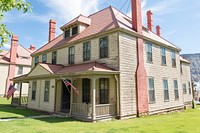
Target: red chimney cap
column 14, row 38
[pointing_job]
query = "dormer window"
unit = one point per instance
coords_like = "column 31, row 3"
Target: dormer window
column 74, row 30
column 67, row 33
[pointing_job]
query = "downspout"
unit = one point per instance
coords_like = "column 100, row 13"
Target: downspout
column 118, row 98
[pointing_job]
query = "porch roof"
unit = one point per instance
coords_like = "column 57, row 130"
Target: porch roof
column 60, row 70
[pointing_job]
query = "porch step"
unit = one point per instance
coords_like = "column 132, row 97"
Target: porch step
column 62, row 114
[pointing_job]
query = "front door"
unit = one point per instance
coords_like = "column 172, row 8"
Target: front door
column 65, row 104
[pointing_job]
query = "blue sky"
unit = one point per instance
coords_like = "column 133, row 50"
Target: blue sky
column 179, row 19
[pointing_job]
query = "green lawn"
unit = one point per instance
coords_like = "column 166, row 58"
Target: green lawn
column 184, row 122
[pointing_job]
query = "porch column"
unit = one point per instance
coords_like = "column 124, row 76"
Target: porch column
column 20, row 93
column 93, row 98
column 71, row 98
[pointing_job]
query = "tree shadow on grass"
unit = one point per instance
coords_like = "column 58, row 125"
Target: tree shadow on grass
column 57, row 119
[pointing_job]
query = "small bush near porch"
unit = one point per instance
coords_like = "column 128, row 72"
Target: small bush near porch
column 184, row 122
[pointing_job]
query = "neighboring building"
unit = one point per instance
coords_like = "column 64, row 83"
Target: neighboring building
column 121, row 69
column 13, row 63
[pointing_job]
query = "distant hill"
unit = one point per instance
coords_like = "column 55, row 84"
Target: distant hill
column 195, row 65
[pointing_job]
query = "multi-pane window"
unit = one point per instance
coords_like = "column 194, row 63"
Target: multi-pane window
column 189, row 87
column 184, row 89
column 18, row 86
column 36, row 60
column 163, row 56
column 86, row 90
column 44, row 58
column 34, row 86
column 54, row 57
column 151, row 90
column 104, row 88
column 20, row 70
column 166, row 93
column 173, row 59
column 176, row 90
column 46, row 91
column 71, row 55
column 75, row 30
column 86, row 51
column 67, row 33
column 181, row 68
column 149, row 52
column 103, row 44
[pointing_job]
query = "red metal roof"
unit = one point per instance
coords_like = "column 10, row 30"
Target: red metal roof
column 104, row 20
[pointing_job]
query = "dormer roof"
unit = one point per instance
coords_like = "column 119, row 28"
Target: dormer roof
column 80, row 19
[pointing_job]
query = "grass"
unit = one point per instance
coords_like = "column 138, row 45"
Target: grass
column 184, row 122
column 8, row 111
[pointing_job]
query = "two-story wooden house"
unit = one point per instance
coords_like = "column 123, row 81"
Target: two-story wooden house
column 120, row 68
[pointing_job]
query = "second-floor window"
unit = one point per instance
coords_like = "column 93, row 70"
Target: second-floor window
column 103, row 43
column 176, row 90
column 86, row 51
column 184, row 89
column 163, row 56
column 71, row 55
column 181, row 68
column 173, row 59
column 151, row 90
column 20, row 70
column 54, row 57
column 44, row 58
column 166, row 92
column 149, row 52
column 36, row 60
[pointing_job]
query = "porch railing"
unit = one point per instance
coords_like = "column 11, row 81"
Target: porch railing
column 16, row 100
column 85, row 110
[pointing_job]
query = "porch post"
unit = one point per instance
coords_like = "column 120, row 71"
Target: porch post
column 93, row 98
column 71, row 98
column 20, row 93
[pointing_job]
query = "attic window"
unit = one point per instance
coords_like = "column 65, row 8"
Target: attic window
column 67, row 33
column 74, row 30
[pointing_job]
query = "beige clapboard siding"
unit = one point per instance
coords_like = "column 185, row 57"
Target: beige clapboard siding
column 39, row 71
column 158, row 72
column 3, row 78
column 186, row 77
column 58, row 95
column 128, row 64
column 39, row 102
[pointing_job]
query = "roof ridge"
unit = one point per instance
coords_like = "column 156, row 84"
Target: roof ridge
column 114, row 16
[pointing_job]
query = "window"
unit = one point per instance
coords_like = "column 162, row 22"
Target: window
column 176, row 90
column 67, row 33
column 86, row 91
column 151, row 90
column 54, row 57
column 34, row 85
column 18, row 86
column 46, row 91
column 20, row 70
column 75, row 30
column 36, row 60
column 189, row 87
column 149, row 52
column 184, row 89
column 71, row 55
column 173, row 59
column 181, row 68
column 86, row 51
column 163, row 56
column 103, row 85
column 44, row 58
column 103, row 42
column 166, row 93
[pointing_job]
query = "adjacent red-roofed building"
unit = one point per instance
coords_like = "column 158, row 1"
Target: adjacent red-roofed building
column 120, row 68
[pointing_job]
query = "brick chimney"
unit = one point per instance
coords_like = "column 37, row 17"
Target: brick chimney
column 32, row 47
column 149, row 20
column 52, row 29
column 158, row 30
column 13, row 49
column 141, row 76
column 137, row 16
